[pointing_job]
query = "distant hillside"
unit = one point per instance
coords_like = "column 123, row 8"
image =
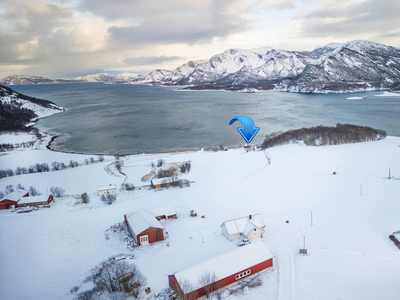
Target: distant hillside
column 102, row 77
column 323, row 135
column 18, row 110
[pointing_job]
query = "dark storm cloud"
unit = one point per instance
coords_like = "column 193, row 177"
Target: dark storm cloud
column 150, row 60
column 373, row 18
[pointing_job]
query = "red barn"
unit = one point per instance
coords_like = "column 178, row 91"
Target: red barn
column 144, row 227
column 12, row 199
column 228, row 268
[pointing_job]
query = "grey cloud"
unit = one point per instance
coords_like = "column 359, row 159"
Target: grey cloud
column 149, row 60
column 174, row 21
column 172, row 28
column 372, row 18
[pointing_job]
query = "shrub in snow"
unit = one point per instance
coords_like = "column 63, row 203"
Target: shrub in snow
column 85, row 198
column 108, row 199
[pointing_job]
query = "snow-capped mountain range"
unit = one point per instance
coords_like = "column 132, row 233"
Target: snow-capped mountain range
column 354, row 66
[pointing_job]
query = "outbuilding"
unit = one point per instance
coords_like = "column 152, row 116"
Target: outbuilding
column 144, row 227
column 12, row 199
column 163, row 213
column 37, row 201
column 159, row 183
column 251, row 227
column 225, row 269
column 105, row 190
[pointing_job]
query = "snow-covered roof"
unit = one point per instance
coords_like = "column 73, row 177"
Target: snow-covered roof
column 26, row 200
column 16, row 195
column 226, row 264
column 142, row 220
column 164, row 180
column 244, row 225
column 162, row 211
column 106, row 187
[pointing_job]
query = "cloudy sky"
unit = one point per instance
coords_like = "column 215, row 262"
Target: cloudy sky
column 70, row 38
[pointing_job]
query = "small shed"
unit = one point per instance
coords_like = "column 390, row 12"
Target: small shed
column 228, row 268
column 12, row 199
column 107, row 190
column 144, row 227
column 164, row 182
column 251, row 227
column 163, row 213
column 38, row 201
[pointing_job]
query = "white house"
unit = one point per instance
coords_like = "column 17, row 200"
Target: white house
column 251, row 227
column 107, row 190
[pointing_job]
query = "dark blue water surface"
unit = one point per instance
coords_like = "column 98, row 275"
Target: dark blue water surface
column 129, row 119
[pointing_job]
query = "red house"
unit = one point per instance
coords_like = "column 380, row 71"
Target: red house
column 12, row 199
column 144, row 227
column 228, row 268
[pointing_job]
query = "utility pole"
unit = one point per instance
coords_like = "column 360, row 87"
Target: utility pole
column 311, row 219
column 389, row 173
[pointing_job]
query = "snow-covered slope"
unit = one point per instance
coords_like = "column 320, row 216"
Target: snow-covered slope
column 353, row 66
column 349, row 253
column 23, row 109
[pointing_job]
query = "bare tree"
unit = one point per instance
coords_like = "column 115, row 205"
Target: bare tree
column 57, row 191
column 1, row 195
column 9, row 189
column 33, row 191
column 20, row 187
column 208, row 282
column 183, row 290
column 118, row 276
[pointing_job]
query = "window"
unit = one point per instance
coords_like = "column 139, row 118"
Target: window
column 245, row 273
column 143, row 239
column 255, row 229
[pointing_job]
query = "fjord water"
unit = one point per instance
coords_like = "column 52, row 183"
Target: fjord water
column 129, row 119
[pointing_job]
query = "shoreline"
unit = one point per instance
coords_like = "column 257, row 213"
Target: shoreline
column 54, row 137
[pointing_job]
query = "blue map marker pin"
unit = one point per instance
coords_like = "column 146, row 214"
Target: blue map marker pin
column 248, row 130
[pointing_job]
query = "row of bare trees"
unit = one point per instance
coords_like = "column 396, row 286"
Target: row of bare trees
column 323, row 135
column 44, row 167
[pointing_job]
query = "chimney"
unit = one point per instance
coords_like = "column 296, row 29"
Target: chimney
column 249, row 217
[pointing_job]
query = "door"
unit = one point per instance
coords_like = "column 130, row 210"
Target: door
column 144, row 240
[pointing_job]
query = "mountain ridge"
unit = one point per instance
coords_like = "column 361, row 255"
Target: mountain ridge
column 358, row 65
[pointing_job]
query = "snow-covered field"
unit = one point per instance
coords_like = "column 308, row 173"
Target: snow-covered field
column 47, row 252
